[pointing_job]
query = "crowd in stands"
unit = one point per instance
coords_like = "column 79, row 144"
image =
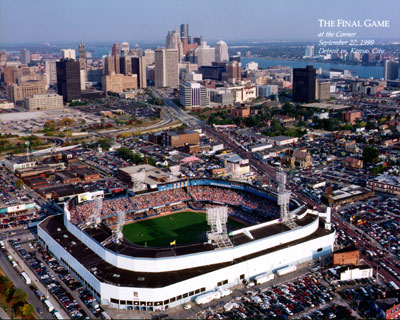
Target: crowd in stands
column 113, row 206
column 82, row 212
column 199, row 198
column 232, row 197
column 154, row 199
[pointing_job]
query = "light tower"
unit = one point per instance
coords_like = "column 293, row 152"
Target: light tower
column 117, row 231
column 218, row 236
column 284, row 199
column 96, row 216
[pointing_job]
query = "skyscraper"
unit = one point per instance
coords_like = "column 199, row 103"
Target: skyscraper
column 150, row 56
column 115, row 50
column 25, row 56
column 221, row 52
column 198, row 40
column 139, row 68
column 304, row 81
column 51, row 72
column 173, row 41
column 68, row 54
column 125, row 64
column 68, row 79
column 205, row 55
column 234, row 71
column 309, row 52
column 3, row 58
column 184, row 30
column 124, row 48
column 391, row 70
column 166, row 68
column 82, row 56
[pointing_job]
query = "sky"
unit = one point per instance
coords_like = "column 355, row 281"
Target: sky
column 149, row 20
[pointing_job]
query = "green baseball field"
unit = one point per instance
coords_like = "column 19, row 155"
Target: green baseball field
column 182, row 227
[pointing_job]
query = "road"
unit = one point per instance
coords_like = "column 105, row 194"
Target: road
column 176, row 111
column 16, row 278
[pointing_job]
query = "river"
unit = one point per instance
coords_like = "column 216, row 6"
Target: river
column 361, row 71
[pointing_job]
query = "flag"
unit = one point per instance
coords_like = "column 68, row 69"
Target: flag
column 172, row 243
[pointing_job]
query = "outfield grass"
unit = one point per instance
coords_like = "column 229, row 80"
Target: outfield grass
column 184, row 227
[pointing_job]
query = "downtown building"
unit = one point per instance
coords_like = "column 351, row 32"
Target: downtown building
column 166, row 72
column 44, row 102
column 391, row 70
column 68, row 79
column 193, row 94
column 221, row 52
column 304, row 84
column 205, row 55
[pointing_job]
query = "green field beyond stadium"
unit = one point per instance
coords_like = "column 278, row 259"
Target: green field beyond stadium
column 182, row 227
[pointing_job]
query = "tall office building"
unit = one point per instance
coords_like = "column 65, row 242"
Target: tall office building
column 193, row 94
column 173, row 41
column 139, row 68
column 205, row 55
column 112, row 65
column 125, row 64
column 166, row 68
column 309, row 52
column 25, row 56
column 184, row 30
column 221, row 52
column 68, row 54
column 304, row 83
column 3, row 58
column 149, row 56
column 68, row 79
column 82, row 56
column 198, row 40
column 25, row 89
column 391, row 70
column 51, row 72
column 234, row 71
column 115, row 49
column 124, row 48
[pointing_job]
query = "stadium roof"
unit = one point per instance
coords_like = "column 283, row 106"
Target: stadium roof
column 106, row 272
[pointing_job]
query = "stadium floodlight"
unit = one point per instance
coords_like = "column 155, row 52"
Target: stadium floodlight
column 217, row 217
column 96, row 216
column 284, row 199
column 117, row 231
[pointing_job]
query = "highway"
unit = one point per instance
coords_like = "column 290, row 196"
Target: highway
column 176, row 111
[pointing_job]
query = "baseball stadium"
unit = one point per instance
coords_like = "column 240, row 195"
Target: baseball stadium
column 163, row 247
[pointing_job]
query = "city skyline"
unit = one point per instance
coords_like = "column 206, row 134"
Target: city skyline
column 134, row 21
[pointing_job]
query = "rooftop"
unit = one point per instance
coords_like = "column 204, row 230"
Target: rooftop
column 106, row 272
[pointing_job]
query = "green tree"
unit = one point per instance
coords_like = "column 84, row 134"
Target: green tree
column 26, row 309
column 370, row 154
column 19, row 295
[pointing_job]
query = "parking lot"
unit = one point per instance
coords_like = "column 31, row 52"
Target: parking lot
column 76, row 301
column 20, row 122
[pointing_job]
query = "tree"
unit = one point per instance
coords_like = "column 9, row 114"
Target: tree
column 19, row 184
column 50, row 124
column 26, row 310
column 370, row 154
column 19, row 295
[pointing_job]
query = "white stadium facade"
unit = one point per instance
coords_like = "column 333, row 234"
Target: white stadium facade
column 128, row 276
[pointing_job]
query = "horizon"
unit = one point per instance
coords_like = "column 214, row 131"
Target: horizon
column 262, row 20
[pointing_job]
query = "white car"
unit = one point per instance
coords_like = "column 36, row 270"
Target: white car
column 187, row 306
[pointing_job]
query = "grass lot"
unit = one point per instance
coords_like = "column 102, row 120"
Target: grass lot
column 184, row 227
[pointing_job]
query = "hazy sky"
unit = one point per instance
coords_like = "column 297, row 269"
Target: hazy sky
column 149, row 20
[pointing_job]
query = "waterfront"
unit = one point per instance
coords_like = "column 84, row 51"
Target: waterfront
column 361, row 71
